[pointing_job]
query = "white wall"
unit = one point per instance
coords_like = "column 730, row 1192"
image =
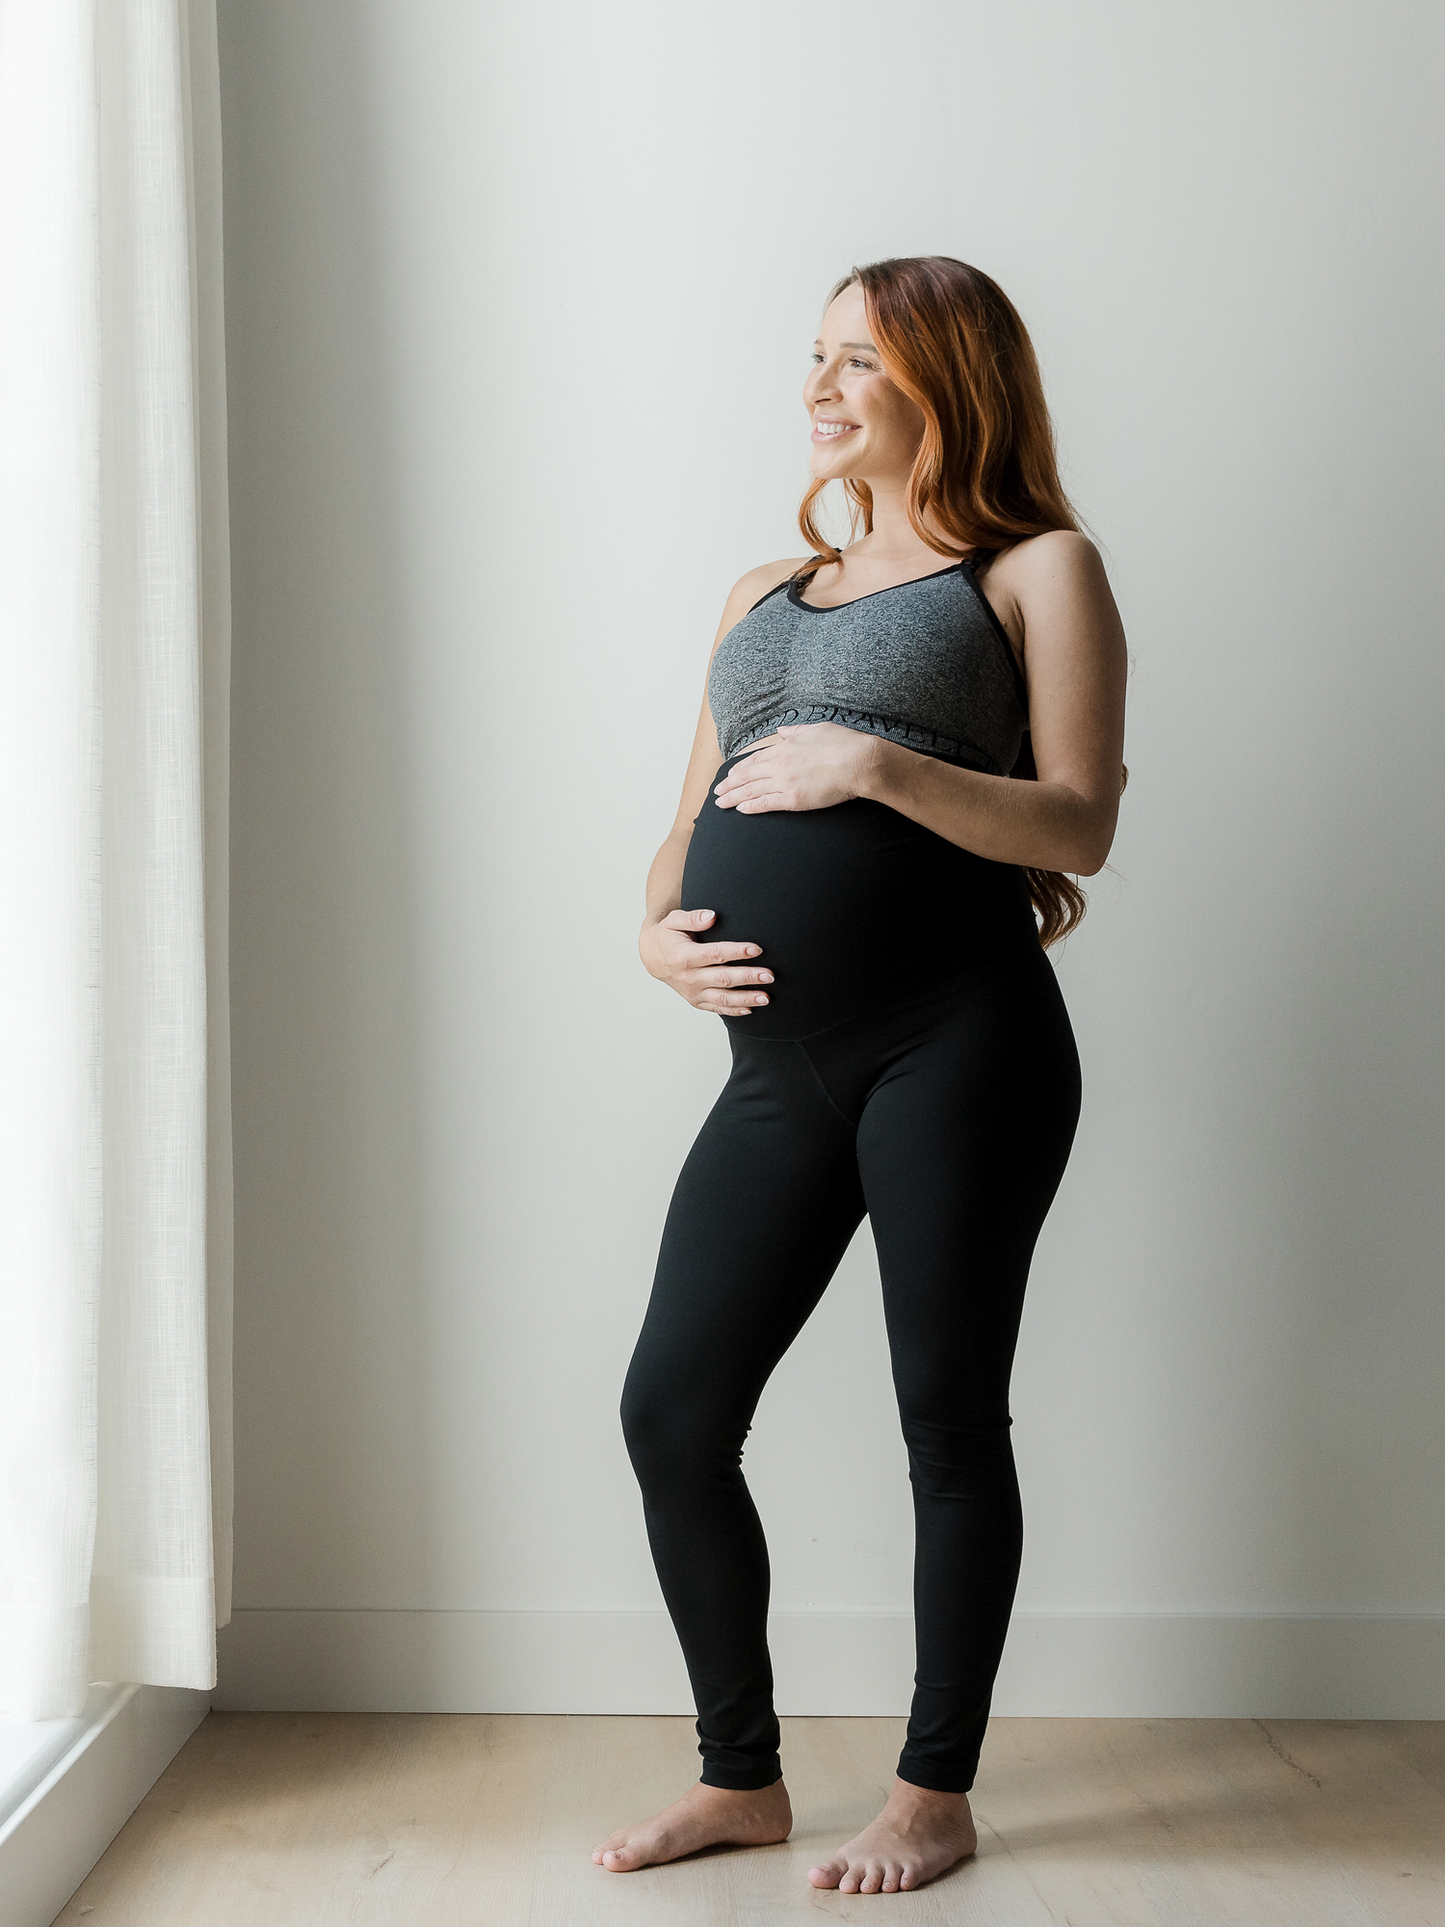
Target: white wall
column 518, row 307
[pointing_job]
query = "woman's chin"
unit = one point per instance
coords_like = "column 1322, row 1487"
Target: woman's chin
column 827, row 466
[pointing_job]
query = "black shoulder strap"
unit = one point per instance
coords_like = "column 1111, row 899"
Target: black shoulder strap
column 1020, row 686
column 769, row 593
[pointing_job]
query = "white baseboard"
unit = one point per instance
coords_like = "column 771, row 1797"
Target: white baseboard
column 121, row 1745
column 1080, row 1665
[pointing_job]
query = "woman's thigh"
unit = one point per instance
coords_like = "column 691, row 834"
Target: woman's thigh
column 762, row 1212
column 964, row 1131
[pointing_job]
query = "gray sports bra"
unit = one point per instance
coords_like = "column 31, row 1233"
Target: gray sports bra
column 925, row 663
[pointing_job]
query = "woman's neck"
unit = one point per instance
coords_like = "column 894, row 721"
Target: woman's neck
column 893, row 537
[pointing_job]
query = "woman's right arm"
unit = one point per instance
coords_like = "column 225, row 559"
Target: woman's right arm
column 721, row 977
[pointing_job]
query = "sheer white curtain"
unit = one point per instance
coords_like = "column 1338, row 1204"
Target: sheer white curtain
column 115, row 1203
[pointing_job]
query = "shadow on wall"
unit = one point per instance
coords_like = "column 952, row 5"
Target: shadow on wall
column 329, row 1214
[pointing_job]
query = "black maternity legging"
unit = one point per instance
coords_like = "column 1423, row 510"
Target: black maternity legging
column 939, row 1095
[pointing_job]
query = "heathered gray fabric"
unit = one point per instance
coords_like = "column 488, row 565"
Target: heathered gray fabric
column 923, row 664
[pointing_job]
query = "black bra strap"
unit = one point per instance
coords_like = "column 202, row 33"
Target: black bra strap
column 770, row 592
column 991, row 616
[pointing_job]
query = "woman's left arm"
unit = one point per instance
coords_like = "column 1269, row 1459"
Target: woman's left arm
column 1053, row 589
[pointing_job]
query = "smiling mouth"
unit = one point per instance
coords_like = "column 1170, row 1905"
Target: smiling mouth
column 827, row 431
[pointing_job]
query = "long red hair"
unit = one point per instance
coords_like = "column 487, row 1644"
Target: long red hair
column 986, row 474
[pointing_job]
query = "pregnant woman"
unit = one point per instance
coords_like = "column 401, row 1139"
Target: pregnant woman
column 904, row 746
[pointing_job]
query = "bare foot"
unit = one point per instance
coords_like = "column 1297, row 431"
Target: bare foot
column 705, row 1816
column 918, row 1835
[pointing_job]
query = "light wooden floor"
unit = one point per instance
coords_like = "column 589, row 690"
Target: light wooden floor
column 432, row 1819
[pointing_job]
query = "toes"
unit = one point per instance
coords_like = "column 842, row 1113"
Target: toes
column 892, row 1879
column 872, row 1878
column 618, row 1859
column 828, row 1876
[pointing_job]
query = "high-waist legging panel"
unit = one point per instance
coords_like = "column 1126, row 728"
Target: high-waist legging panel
column 949, row 1123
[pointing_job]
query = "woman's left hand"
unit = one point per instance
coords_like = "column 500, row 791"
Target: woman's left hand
column 804, row 766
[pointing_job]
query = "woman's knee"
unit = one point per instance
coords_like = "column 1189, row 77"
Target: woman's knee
column 972, row 1461
column 671, row 1436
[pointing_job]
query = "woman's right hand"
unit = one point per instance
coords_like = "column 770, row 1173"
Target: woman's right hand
column 711, row 976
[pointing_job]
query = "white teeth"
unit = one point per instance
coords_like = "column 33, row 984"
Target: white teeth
column 831, row 428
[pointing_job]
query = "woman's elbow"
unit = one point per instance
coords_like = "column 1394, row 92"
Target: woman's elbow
column 1089, row 843
column 1090, row 863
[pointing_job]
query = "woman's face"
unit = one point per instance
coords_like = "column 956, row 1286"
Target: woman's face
column 863, row 425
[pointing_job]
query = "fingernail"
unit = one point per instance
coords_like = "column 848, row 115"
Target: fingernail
column 765, row 976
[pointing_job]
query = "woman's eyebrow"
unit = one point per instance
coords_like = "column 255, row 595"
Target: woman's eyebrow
column 867, row 346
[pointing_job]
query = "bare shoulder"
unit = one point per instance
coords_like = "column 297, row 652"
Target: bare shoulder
column 1053, row 596
column 757, row 582
column 1052, row 561
column 753, row 586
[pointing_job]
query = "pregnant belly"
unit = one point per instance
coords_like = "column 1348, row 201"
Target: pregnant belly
column 855, row 907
